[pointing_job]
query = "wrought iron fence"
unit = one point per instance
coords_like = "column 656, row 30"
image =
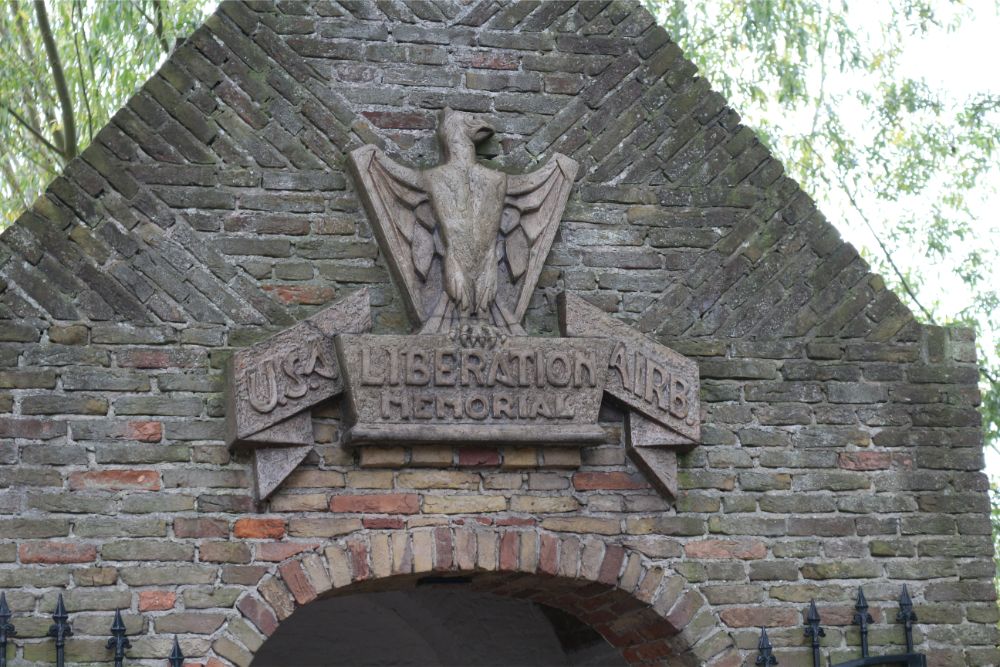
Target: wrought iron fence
column 815, row 632
column 118, row 643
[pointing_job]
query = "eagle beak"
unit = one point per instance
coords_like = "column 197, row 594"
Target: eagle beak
column 481, row 132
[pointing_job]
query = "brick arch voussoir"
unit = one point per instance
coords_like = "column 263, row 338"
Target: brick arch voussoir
column 649, row 613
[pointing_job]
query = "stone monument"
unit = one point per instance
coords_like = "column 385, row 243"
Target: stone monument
column 465, row 244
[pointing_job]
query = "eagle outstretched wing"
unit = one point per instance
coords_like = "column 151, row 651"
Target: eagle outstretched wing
column 532, row 211
column 403, row 220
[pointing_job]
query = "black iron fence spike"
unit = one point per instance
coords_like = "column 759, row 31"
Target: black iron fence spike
column 813, row 631
column 7, row 630
column 765, row 652
column 862, row 618
column 118, row 641
column 60, row 630
column 176, row 658
column 907, row 617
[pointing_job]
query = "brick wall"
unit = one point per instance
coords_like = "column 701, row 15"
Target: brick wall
column 841, row 443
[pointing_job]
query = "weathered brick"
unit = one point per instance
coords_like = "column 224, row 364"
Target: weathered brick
column 116, row 480
column 156, row 600
column 390, row 503
column 56, row 552
column 259, row 529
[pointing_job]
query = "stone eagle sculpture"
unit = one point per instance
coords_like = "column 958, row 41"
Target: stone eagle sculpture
column 465, row 242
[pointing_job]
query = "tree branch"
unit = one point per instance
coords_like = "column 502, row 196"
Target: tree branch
column 79, row 63
column 11, row 178
column 39, row 100
column 885, row 249
column 59, row 78
column 156, row 21
column 35, row 133
column 158, row 26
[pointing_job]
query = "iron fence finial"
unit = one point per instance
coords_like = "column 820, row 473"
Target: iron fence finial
column 765, row 655
column 6, row 629
column 813, row 631
column 907, row 617
column 862, row 618
column 60, row 630
column 176, row 658
column 118, row 641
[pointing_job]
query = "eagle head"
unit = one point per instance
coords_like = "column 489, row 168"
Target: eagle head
column 459, row 129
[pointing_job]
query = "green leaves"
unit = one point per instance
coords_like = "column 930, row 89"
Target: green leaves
column 828, row 87
column 105, row 49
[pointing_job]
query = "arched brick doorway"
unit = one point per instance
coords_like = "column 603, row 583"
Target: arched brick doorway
column 650, row 615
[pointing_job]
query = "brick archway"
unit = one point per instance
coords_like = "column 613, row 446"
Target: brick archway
column 651, row 615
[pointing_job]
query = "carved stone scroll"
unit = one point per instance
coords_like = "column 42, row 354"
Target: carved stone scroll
column 272, row 465
column 653, row 448
column 648, row 377
column 272, row 385
column 434, row 389
column 290, row 372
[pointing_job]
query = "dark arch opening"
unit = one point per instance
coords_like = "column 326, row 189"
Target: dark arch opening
column 436, row 623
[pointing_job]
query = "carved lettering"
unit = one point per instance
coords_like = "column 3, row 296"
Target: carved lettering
column 301, row 367
column 526, row 382
column 648, row 377
column 262, row 392
column 418, row 371
column 295, row 384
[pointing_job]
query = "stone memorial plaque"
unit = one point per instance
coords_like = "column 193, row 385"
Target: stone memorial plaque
column 414, row 389
column 648, row 377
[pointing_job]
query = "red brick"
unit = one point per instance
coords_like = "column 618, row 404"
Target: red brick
column 260, row 529
column 116, row 480
column 308, row 295
column 650, row 652
column 156, row 600
column 516, row 521
column 548, row 560
column 684, row 610
column 297, row 582
column 443, row 557
column 276, row 552
column 865, row 460
column 144, row 431
column 509, row 546
column 755, row 617
column 377, row 503
column 614, row 556
column 478, row 456
column 184, row 527
column 743, row 549
column 56, row 552
column 608, row 481
column 32, row 429
column 359, row 559
column 259, row 614
column 490, row 60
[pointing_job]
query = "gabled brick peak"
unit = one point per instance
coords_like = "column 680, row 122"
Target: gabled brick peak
column 217, row 195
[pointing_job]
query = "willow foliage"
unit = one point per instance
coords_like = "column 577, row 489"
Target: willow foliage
column 65, row 67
